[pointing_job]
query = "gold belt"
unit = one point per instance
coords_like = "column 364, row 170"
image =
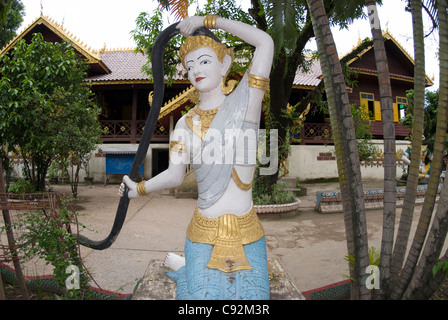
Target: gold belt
column 228, row 234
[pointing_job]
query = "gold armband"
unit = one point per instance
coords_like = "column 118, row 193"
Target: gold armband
column 258, row 82
column 141, row 188
column 210, row 21
column 177, row 146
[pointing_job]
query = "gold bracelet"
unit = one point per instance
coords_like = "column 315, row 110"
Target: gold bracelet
column 210, row 21
column 177, row 146
column 141, row 188
column 258, row 82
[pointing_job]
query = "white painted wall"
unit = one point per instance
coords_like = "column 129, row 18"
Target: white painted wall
column 303, row 164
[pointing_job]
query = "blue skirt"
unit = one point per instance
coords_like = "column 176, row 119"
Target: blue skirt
column 197, row 282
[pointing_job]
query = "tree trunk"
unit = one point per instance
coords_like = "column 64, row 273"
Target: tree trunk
column 281, row 81
column 439, row 228
column 423, row 283
column 345, row 147
column 279, row 99
column 11, row 242
column 390, row 168
column 402, row 280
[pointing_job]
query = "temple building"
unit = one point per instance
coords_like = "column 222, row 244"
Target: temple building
column 123, row 93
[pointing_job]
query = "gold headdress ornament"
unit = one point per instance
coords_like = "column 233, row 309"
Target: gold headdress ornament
column 196, row 42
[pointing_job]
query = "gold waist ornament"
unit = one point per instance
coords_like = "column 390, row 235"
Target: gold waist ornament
column 227, row 234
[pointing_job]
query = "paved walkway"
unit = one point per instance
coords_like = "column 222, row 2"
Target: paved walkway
column 310, row 246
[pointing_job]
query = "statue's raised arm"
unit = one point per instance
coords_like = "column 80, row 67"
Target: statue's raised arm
column 262, row 58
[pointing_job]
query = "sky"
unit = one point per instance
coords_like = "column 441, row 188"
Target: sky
column 109, row 22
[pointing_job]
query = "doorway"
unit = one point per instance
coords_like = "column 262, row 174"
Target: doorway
column 160, row 158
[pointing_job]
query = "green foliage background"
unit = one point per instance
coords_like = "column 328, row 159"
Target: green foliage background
column 46, row 109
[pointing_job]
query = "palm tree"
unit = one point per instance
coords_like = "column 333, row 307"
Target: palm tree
column 390, row 168
column 402, row 281
column 422, row 278
column 416, row 141
column 290, row 27
column 345, row 147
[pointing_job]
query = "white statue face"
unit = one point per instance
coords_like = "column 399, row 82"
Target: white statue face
column 205, row 72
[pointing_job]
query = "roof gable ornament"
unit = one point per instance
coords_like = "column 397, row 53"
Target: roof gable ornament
column 60, row 31
column 386, row 36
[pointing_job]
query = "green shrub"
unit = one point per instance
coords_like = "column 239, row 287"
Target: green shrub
column 21, row 186
column 48, row 236
column 278, row 196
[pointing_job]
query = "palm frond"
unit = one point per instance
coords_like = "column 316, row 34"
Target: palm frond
column 179, row 8
column 346, row 12
column 283, row 24
column 430, row 7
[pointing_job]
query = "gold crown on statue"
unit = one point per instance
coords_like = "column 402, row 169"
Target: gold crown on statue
column 196, row 42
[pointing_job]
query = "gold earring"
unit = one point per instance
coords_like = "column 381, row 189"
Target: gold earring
column 228, row 87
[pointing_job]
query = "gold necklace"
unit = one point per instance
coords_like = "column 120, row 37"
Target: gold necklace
column 205, row 120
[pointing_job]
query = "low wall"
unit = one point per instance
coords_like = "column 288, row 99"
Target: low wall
column 97, row 163
column 309, row 162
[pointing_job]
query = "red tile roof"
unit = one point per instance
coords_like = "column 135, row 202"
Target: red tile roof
column 124, row 65
column 309, row 78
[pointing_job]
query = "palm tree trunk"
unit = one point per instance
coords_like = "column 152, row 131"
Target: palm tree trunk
column 390, row 168
column 439, row 228
column 403, row 279
column 423, row 282
column 345, row 147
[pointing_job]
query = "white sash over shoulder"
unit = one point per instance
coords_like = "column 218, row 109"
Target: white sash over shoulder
column 213, row 178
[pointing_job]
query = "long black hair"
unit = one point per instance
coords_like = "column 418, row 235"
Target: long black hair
column 157, row 57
